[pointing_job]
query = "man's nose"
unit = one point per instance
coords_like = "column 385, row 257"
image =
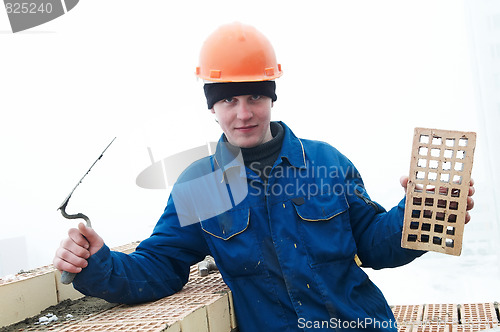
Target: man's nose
column 244, row 111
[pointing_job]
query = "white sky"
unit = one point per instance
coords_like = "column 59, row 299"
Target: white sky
column 357, row 74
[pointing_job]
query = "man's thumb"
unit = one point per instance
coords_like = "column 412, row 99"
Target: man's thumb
column 88, row 232
column 94, row 240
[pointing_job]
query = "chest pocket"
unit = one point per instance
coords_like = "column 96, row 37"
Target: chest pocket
column 228, row 224
column 233, row 243
column 324, row 228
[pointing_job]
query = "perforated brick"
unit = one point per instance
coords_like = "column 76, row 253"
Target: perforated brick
column 408, row 314
column 440, row 314
column 167, row 314
column 27, row 275
column 478, row 313
column 45, row 328
column 473, row 327
column 438, row 185
column 167, row 310
column 405, row 328
column 432, row 328
column 206, row 285
column 126, row 248
column 139, row 326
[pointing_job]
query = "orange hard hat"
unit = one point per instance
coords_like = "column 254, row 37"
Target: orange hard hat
column 237, row 53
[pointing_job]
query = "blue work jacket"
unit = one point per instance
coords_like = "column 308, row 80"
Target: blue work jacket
column 289, row 248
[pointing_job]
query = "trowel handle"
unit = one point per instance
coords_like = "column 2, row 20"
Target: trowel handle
column 67, row 277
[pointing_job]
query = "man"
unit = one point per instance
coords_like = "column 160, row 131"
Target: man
column 287, row 220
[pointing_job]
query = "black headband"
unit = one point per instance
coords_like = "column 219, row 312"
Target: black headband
column 218, row 91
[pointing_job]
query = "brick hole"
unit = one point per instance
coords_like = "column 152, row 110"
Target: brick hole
column 435, row 152
column 417, row 200
column 455, row 192
column 452, row 218
column 438, row 228
column 420, row 175
column 429, row 201
column 437, row 240
column 426, row 227
column 450, row 243
column 442, row 203
column 450, row 142
column 453, row 205
column 424, row 238
column 440, row 216
column 445, row 177
column 427, row 214
column 423, row 151
column 434, row 164
column 460, row 154
column 448, row 153
column 422, row 163
column 443, row 191
column 415, row 214
column 450, row 230
column 446, row 165
column 414, row 225
column 436, row 140
column 412, row 238
column 459, row 166
column 463, row 142
column 432, row 176
column 430, row 189
column 424, row 139
column 457, row 179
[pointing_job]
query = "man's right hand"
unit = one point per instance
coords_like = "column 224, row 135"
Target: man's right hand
column 81, row 243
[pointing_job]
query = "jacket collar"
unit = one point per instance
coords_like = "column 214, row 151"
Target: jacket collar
column 293, row 149
column 228, row 157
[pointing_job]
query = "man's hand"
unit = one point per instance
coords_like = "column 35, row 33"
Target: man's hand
column 470, row 202
column 81, row 243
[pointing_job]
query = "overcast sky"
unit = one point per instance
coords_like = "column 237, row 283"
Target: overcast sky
column 359, row 75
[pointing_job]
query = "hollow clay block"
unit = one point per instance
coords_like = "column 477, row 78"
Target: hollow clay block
column 438, row 186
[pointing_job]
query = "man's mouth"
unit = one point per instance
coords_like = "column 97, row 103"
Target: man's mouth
column 245, row 128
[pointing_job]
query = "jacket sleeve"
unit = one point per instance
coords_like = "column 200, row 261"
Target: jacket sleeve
column 377, row 232
column 159, row 267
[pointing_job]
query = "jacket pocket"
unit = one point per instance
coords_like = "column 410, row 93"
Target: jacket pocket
column 324, row 228
column 228, row 224
column 233, row 243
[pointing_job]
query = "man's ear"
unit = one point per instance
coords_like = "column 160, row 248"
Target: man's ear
column 212, row 110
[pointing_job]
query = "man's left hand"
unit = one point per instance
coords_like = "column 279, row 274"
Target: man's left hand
column 470, row 202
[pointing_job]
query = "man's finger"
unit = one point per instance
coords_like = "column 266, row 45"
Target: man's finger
column 472, row 190
column 470, row 203
column 404, row 181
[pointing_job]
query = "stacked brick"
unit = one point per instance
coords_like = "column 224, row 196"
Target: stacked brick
column 447, row 317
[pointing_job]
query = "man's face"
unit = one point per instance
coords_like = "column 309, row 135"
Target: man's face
column 245, row 119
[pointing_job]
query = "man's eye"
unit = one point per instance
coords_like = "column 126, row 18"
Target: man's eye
column 256, row 97
column 229, row 100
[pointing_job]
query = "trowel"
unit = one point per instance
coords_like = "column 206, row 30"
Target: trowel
column 67, row 277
